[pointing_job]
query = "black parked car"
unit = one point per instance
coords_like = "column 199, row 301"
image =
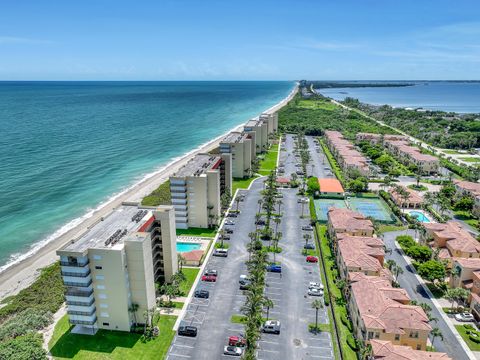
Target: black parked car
column 203, row 294
column 309, row 246
column 228, row 231
column 187, row 331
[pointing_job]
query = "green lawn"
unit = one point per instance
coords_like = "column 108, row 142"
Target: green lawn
column 452, row 152
column 333, row 163
column 201, row 232
column 239, row 183
column 238, row 319
column 269, row 162
column 466, row 217
column 107, row 344
column 463, row 333
column 191, row 275
column 317, row 105
column 386, row 228
column 473, row 159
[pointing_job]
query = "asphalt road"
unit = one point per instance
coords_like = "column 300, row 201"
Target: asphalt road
column 409, row 282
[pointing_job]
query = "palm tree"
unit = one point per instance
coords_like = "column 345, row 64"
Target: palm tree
column 436, row 333
column 221, row 234
column 366, row 351
column 210, row 216
column 390, row 264
column 307, row 237
column 280, row 203
column 268, row 303
column 276, row 239
column 180, row 260
column 317, row 305
column 277, row 221
column 259, row 202
column 397, row 270
column 418, row 177
column 237, row 202
column 133, row 310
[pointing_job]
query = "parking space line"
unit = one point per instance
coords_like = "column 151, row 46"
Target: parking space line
column 268, row 342
column 185, row 356
column 186, row 346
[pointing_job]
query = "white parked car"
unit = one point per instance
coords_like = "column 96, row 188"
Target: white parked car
column 315, row 292
column 465, row 317
column 315, row 285
column 232, row 350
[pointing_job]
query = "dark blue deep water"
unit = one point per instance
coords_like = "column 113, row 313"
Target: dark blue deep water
column 65, row 147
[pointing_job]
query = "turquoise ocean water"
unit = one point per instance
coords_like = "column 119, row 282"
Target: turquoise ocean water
column 66, row 147
column 462, row 97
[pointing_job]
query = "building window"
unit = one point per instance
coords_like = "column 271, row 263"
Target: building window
column 100, row 277
column 101, row 287
column 98, row 267
column 104, row 314
column 97, row 257
column 397, row 337
column 104, row 306
column 414, row 334
column 106, row 324
column 419, row 347
column 102, row 296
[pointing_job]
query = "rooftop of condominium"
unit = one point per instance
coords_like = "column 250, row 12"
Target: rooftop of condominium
column 199, row 165
column 349, row 220
column 404, row 147
column 111, row 230
column 413, row 196
column 385, row 350
column 382, row 306
column 361, row 252
column 469, row 186
column 234, row 137
column 457, row 238
column 254, row 122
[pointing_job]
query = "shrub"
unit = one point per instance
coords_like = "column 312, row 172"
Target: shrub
column 475, row 337
column 28, row 347
column 468, row 326
column 346, row 322
column 30, row 320
column 45, row 294
column 351, row 342
column 326, row 298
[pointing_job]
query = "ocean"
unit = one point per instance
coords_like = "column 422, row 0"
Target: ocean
column 66, row 147
column 461, row 97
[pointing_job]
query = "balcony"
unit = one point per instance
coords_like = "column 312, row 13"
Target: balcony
column 179, row 201
column 79, row 292
column 178, row 189
column 76, row 274
column 83, row 322
column 178, row 196
column 80, row 303
column 74, row 263
column 78, row 284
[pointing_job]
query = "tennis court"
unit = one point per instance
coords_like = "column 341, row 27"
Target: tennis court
column 372, row 207
column 322, row 206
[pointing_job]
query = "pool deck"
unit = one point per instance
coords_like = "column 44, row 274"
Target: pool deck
column 203, row 241
column 426, row 214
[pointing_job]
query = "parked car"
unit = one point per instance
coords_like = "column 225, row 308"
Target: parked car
column 309, row 246
column 202, row 294
column 312, row 259
column 220, row 252
column 244, row 285
column 271, row 327
column 209, row 278
column 260, row 222
column 211, row 272
column 307, row 227
column 187, row 331
column 228, row 231
column 237, row 341
column 315, row 292
column 229, row 222
column 279, row 195
column 315, row 285
column 232, row 214
column 299, row 172
column 243, row 278
column 226, row 237
column 274, row 268
column 232, row 350
column 304, row 200
column 465, row 317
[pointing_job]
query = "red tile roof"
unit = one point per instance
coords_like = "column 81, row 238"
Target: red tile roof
column 330, row 185
column 385, row 350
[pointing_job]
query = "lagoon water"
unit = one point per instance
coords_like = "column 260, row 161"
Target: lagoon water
column 462, row 97
column 65, row 147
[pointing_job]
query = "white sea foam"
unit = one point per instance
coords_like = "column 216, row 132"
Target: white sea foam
column 19, row 257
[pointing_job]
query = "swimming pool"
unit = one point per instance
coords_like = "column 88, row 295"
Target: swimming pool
column 186, row 247
column 419, row 216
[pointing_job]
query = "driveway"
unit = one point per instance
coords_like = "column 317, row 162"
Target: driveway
column 409, row 282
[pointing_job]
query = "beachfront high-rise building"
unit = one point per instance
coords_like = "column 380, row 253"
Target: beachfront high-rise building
column 197, row 187
column 262, row 126
column 240, row 146
column 115, row 264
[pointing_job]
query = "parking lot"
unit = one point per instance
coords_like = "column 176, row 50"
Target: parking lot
column 288, row 290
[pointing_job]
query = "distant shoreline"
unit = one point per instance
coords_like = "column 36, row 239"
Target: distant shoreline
column 19, row 275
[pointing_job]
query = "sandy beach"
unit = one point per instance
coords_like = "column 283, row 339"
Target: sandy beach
column 22, row 274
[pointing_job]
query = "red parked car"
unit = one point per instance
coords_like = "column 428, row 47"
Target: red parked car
column 237, row 341
column 209, row 278
column 312, row 259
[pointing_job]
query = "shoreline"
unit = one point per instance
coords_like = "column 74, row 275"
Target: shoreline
column 22, row 273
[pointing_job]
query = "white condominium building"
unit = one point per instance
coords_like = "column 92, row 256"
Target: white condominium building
column 197, row 187
column 241, row 146
column 115, row 263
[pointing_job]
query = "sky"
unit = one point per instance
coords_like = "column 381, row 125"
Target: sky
column 240, row 40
